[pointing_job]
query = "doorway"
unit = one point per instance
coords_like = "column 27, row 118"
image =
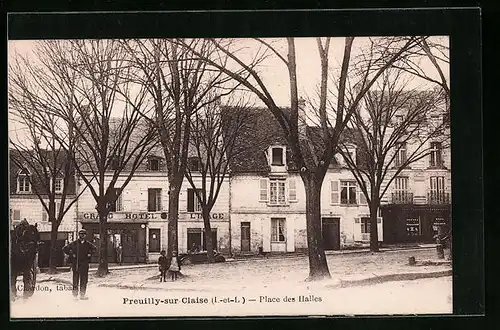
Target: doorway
column 330, row 228
column 245, row 237
column 154, row 240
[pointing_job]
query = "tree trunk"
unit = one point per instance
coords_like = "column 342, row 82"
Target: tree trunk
column 103, row 270
column 173, row 218
column 374, row 205
column 318, row 266
column 53, row 240
column 208, row 236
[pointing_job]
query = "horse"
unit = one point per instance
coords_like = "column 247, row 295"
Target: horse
column 24, row 247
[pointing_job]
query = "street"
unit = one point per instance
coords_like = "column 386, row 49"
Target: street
column 228, row 289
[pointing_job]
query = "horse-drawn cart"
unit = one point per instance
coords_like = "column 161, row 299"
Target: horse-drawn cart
column 25, row 239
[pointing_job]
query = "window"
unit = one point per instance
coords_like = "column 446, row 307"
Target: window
column 194, row 204
column 276, row 191
column 365, row 225
column 437, row 184
column 292, row 190
column 436, row 121
column 278, row 230
column 154, row 164
column 400, row 158
column 114, row 163
column 154, row 199
column 23, row 184
column 117, row 204
column 58, row 185
column 16, row 215
column 277, row 156
column 436, row 159
column 347, row 192
column 194, row 164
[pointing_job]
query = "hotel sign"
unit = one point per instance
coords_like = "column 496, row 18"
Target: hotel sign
column 124, row 216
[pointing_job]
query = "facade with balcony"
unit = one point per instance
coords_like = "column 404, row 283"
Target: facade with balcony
column 419, row 198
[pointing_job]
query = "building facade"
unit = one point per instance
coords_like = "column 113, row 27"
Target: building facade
column 24, row 203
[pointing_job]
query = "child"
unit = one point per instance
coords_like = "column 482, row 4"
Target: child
column 175, row 266
column 162, row 261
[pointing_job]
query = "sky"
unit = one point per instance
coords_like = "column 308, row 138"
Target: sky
column 273, row 71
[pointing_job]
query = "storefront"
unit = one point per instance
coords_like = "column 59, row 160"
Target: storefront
column 129, row 229
column 413, row 223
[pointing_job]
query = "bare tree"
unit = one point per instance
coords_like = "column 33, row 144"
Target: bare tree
column 214, row 134
column 178, row 84
column 50, row 167
column 79, row 82
column 313, row 159
column 394, row 129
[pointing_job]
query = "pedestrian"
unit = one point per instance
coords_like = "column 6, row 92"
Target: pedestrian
column 162, row 262
column 175, row 266
column 80, row 252
column 119, row 254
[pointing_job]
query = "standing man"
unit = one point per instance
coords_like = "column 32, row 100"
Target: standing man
column 119, row 254
column 80, row 252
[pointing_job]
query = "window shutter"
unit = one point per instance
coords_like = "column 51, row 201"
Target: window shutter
column 362, row 197
column 158, row 200
column 190, row 200
column 292, row 190
column 17, row 215
column 44, row 214
column 334, row 192
column 151, row 200
column 263, row 190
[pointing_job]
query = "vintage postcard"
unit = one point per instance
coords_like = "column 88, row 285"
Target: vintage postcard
column 230, row 176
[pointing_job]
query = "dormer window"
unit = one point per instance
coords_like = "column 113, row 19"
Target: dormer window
column 114, row 163
column 23, row 181
column 58, row 185
column 277, row 156
column 194, row 164
column 154, row 164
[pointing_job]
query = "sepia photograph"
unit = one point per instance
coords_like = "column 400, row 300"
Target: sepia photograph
column 209, row 177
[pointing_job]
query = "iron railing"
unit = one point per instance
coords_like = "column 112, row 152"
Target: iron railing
column 402, row 197
column 438, row 197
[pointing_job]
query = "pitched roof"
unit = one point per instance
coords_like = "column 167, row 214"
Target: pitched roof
column 36, row 180
column 264, row 131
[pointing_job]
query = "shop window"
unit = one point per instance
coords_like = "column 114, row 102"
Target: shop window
column 278, row 233
column 413, row 227
column 348, row 192
column 193, row 204
column 154, row 199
